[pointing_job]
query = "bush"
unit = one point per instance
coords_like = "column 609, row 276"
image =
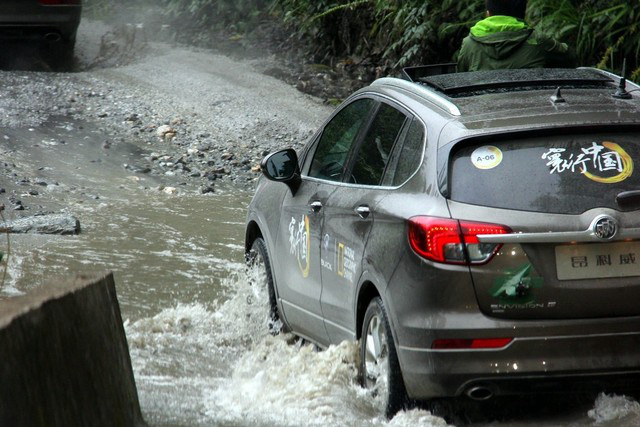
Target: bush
column 603, row 32
column 395, row 33
column 214, row 14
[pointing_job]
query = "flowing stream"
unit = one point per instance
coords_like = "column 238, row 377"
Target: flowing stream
column 200, row 349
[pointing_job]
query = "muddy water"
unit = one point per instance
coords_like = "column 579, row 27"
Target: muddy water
column 195, row 324
column 196, row 327
column 164, row 250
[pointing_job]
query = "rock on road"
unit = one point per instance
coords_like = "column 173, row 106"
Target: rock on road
column 199, row 117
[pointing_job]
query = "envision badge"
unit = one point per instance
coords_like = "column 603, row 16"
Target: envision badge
column 605, row 228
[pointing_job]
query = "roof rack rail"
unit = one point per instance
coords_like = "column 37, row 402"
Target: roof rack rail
column 425, row 92
column 611, row 75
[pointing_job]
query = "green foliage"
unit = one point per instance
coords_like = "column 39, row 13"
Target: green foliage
column 400, row 33
column 395, row 33
column 603, row 32
column 215, row 14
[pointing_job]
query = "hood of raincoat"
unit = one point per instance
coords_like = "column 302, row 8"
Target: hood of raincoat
column 500, row 36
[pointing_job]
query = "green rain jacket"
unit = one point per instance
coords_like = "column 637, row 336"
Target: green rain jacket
column 500, row 42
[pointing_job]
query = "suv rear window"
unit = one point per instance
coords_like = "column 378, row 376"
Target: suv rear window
column 563, row 174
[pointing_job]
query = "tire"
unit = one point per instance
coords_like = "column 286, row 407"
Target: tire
column 60, row 55
column 258, row 257
column 379, row 366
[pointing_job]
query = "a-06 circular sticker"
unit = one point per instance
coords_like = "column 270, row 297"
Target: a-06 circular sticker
column 487, row 157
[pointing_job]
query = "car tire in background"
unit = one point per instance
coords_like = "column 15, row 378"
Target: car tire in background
column 60, row 54
column 258, row 257
column 379, row 366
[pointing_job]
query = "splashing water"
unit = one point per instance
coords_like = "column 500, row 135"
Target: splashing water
column 228, row 369
column 611, row 408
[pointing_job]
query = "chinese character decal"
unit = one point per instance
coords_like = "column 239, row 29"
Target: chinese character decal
column 592, row 161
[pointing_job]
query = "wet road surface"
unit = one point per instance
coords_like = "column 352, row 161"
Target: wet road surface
column 196, row 327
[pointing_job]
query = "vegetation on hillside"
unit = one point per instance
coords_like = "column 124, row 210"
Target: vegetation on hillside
column 394, row 33
column 429, row 31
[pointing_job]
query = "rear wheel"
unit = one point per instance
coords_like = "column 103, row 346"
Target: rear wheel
column 379, row 366
column 258, row 259
column 60, row 55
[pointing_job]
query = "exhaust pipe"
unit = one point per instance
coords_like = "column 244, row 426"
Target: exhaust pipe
column 52, row 37
column 479, row 393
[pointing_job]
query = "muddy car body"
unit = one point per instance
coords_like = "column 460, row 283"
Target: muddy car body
column 54, row 22
column 487, row 220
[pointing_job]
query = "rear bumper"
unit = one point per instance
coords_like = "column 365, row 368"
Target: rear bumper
column 582, row 363
column 34, row 25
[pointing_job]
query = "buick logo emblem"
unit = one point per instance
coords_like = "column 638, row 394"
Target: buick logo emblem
column 605, row 228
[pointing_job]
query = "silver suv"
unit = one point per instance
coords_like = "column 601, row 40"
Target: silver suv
column 478, row 233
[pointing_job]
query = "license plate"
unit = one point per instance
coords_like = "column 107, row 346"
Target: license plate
column 598, row 261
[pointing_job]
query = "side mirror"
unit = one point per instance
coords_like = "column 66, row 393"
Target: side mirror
column 282, row 166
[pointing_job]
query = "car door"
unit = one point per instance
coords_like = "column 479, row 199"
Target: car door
column 302, row 218
column 349, row 216
column 298, row 247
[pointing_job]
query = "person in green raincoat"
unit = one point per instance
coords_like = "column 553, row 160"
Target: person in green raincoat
column 504, row 40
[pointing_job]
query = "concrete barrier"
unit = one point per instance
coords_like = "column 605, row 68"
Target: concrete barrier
column 64, row 358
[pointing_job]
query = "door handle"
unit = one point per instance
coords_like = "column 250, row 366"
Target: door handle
column 363, row 211
column 316, row 206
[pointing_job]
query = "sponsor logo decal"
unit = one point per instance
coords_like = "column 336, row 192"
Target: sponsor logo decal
column 515, row 290
column 300, row 243
column 346, row 262
column 326, row 244
column 606, row 163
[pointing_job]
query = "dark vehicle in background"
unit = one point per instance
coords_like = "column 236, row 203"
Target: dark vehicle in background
column 478, row 233
column 54, row 23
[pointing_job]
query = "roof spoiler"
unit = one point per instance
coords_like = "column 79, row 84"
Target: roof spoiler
column 414, row 74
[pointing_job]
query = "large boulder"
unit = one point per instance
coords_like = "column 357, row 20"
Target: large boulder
column 64, row 224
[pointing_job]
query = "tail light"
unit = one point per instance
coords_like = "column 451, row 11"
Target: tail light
column 58, row 2
column 465, row 344
column 453, row 242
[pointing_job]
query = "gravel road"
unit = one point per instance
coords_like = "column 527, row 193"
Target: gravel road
column 197, row 117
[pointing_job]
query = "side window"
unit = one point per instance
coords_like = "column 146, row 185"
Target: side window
column 337, row 138
column 377, row 146
column 405, row 161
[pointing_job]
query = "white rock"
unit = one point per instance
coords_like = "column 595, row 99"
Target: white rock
column 170, row 190
column 163, row 130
